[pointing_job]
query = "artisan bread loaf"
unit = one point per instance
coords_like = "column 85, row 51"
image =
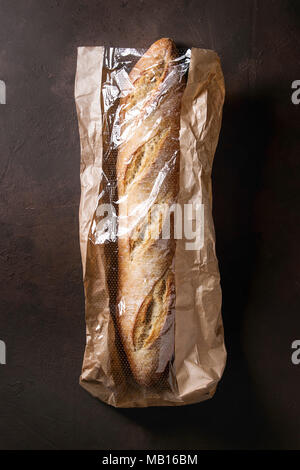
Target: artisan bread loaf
column 148, row 180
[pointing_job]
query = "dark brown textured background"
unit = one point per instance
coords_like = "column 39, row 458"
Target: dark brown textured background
column 256, row 210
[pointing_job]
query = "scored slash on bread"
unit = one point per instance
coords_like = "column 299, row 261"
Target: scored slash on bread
column 147, row 174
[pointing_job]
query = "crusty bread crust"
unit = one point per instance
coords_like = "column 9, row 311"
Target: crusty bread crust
column 148, row 173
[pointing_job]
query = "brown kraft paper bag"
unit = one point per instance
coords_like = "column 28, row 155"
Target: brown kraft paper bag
column 182, row 309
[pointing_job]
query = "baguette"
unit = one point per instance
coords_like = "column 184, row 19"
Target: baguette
column 148, row 174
